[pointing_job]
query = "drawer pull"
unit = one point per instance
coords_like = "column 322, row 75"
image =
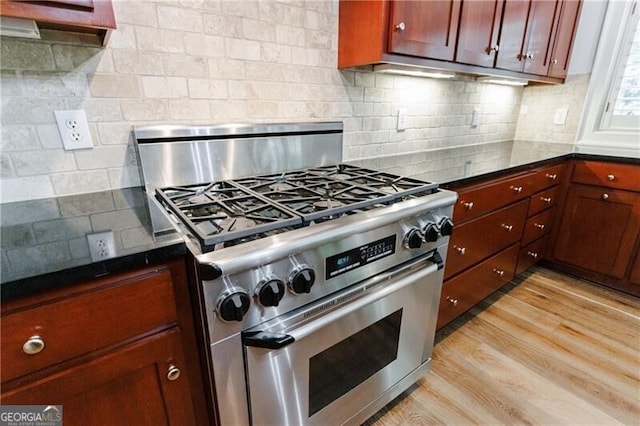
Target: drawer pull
column 532, row 254
column 468, row 205
column 605, row 196
column 453, row 301
column 540, row 226
column 461, row 250
column 551, row 176
column 517, row 189
column 173, row 373
column 34, row 345
column 611, row 178
column 401, row 26
column 506, row 227
column 499, row 272
column 547, row 200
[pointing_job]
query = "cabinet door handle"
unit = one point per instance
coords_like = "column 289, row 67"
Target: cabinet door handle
column 453, row 301
column 516, row 189
column 529, row 55
column 605, row 196
column 532, row 254
column 173, row 373
column 554, row 62
column 33, row 345
column 551, row 176
column 547, row 200
column 506, row 227
column 401, row 26
column 498, row 272
column 611, row 178
column 494, row 48
column 540, row 226
column 468, row 205
column 461, row 250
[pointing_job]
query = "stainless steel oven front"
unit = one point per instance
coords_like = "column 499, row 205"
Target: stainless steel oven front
column 341, row 359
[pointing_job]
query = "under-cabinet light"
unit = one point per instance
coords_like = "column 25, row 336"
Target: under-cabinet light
column 502, row 80
column 415, row 72
column 15, row 27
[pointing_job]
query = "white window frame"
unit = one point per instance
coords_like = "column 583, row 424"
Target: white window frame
column 594, row 134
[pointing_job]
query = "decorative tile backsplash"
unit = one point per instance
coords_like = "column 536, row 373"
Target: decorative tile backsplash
column 208, row 62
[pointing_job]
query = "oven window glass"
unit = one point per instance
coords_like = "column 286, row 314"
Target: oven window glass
column 343, row 366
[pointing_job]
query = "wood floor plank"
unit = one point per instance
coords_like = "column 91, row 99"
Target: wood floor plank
column 546, row 349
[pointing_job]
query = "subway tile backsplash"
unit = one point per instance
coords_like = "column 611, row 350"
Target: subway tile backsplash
column 210, row 62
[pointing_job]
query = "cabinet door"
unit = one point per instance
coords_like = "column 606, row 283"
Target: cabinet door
column 478, row 35
column 538, row 39
column 526, row 35
column 512, row 35
column 563, row 39
column 129, row 386
column 424, row 28
column 598, row 229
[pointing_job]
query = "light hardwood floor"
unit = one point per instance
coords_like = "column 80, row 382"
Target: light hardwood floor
column 546, row 349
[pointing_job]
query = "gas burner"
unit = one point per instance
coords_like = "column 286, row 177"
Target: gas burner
column 328, row 203
column 230, row 212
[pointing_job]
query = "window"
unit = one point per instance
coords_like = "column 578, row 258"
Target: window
column 611, row 117
column 623, row 107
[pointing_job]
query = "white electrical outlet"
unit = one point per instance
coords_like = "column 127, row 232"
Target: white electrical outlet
column 101, row 245
column 560, row 116
column 475, row 117
column 74, row 129
column 402, row 119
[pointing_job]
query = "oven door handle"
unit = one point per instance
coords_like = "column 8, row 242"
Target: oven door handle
column 274, row 340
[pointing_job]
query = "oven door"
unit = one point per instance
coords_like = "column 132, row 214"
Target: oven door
column 335, row 362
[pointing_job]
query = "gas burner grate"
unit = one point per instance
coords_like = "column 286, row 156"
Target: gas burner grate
column 223, row 211
column 231, row 212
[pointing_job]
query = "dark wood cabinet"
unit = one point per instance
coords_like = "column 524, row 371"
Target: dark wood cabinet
column 526, row 36
column 138, row 384
column 424, row 29
column 86, row 16
column 117, row 350
column 501, row 229
column 598, row 230
column 478, row 33
column 510, row 38
column 563, row 38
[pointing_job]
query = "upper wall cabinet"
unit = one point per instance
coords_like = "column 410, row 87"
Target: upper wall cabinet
column 478, row 34
column 85, row 16
column 426, row 29
column 513, row 38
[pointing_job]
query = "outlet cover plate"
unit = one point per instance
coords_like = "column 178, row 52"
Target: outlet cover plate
column 560, row 116
column 402, row 119
column 74, row 129
column 102, row 246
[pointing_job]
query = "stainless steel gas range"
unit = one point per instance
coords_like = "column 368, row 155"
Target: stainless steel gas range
column 317, row 282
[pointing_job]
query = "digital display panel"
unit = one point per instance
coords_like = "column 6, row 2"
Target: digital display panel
column 360, row 256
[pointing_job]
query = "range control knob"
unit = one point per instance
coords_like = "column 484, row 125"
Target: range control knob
column 301, row 279
column 446, row 227
column 430, row 232
column 413, row 239
column 270, row 292
column 233, row 304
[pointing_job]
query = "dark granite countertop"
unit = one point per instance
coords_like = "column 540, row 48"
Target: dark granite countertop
column 44, row 242
column 528, row 166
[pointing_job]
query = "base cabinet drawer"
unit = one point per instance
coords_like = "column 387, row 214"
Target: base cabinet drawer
column 47, row 334
column 482, row 237
column 609, row 175
column 531, row 254
column 468, row 288
column 543, row 200
column 537, row 226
